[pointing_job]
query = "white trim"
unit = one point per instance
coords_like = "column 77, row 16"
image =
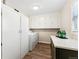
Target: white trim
column 44, row 42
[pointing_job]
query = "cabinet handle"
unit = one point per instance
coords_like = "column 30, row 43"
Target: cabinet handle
column 1, row 44
column 20, row 31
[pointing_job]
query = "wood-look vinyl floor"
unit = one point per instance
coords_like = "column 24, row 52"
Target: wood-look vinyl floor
column 41, row 51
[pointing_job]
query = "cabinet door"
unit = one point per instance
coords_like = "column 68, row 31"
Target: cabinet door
column 10, row 33
column 24, row 35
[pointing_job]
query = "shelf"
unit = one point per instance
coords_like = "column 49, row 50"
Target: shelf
column 44, row 28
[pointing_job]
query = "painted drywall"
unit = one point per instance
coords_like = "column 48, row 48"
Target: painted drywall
column 67, row 20
column 45, row 21
column 44, row 35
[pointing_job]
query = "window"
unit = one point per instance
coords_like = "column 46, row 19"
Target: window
column 75, row 16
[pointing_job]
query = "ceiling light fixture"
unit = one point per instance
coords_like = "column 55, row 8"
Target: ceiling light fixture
column 35, row 7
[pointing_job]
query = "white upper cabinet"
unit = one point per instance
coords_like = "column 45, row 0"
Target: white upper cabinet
column 45, row 21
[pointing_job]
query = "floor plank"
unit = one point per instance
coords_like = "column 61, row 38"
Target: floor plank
column 41, row 51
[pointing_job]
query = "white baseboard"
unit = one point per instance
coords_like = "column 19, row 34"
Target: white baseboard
column 44, row 42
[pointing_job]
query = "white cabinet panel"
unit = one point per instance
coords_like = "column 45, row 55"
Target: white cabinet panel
column 45, row 21
column 10, row 33
column 14, row 34
column 24, row 35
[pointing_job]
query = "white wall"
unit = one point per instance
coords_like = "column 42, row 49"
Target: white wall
column 44, row 35
column 67, row 20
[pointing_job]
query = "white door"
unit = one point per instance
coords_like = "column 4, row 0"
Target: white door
column 10, row 33
column 24, row 36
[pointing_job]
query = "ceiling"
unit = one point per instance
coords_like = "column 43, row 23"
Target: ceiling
column 45, row 6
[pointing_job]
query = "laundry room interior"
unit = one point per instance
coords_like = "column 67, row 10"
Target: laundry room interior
column 39, row 29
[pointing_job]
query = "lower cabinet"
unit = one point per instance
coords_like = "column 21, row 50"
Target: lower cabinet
column 52, row 50
column 66, row 54
column 59, row 53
